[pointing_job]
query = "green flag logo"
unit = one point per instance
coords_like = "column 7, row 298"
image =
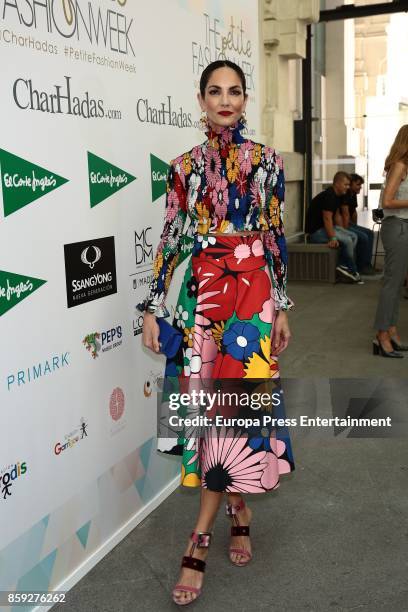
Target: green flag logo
column 159, row 170
column 24, row 182
column 105, row 179
column 14, row 288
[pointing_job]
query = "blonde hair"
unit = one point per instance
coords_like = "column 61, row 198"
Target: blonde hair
column 399, row 149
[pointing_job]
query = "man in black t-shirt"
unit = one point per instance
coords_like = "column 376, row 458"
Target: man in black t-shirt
column 322, row 223
column 365, row 236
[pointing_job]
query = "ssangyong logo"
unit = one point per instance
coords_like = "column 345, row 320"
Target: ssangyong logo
column 90, row 270
column 8, row 475
column 97, row 254
column 105, row 341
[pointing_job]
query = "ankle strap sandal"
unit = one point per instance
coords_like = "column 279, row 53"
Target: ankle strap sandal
column 231, row 510
column 201, row 539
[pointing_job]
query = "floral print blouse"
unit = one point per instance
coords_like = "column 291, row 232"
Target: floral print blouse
column 226, row 184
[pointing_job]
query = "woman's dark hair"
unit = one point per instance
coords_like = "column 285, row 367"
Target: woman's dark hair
column 207, row 72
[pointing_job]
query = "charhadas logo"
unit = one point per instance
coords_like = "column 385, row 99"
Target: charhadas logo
column 105, row 179
column 8, row 475
column 107, row 340
column 159, row 170
column 14, row 288
column 24, row 182
column 79, row 433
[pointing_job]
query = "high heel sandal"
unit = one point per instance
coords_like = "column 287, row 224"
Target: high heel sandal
column 201, row 539
column 231, row 511
column 397, row 346
column 378, row 349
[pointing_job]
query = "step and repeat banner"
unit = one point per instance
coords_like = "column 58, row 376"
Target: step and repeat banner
column 96, row 99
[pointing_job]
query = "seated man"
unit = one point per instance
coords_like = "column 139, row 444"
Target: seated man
column 365, row 236
column 320, row 224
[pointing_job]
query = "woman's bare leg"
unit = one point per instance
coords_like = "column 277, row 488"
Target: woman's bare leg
column 209, row 505
column 244, row 517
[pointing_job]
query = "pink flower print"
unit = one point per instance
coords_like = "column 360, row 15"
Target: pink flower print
column 270, row 244
column 220, row 198
column 172, row 205
column 197, row 153
column 257, row 248
column 212, row 166
column 242, row 251
column 244, row 157
column 178, row 165
column 255, row 193
column 276, row 465
column 229, row 461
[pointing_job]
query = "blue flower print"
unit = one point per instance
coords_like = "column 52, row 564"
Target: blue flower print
column 259, row 438
column 241, row 340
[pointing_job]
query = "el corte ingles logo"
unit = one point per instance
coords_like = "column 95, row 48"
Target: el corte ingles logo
column 105, row 179
column 159, row 170
column 24, row 182
column 14, row 288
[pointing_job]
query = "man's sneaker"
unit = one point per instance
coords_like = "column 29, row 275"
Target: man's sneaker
column 357, row 279
column 344, row 271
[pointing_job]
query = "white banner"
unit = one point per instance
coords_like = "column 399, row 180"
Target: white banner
column 96, row 99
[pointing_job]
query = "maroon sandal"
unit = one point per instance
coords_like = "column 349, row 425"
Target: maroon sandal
column 232, row 510
column 201, row 539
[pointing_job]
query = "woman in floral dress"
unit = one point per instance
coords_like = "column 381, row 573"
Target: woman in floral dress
column 231, row 309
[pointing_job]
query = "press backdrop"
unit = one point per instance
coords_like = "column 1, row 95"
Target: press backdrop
column 96, row 98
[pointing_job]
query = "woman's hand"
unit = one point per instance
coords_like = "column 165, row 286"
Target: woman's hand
column 281, row 333
column 151, row 332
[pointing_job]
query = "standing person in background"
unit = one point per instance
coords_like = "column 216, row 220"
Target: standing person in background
column 323, row 224
column 365, row 236
column 394, row 235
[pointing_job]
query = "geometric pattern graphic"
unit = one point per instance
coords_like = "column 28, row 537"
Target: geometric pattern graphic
column 45, row 555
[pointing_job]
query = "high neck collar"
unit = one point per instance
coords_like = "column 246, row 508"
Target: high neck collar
column 226, row 135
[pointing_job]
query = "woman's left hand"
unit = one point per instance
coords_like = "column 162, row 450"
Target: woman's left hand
column 281, row 333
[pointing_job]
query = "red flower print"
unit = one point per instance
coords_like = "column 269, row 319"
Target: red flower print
column 227, row 367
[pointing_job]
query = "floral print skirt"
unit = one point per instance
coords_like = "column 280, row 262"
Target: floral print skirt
column 226, row 314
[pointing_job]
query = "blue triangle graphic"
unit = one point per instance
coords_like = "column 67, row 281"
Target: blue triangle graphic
column 46, row 520
column 145, row 452
column 83, row 533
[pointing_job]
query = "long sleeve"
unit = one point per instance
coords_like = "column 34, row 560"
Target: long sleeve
column 274, row 239
column 168, row 251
